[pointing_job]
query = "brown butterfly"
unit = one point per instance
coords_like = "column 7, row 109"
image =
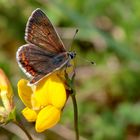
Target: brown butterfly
column 44, row 52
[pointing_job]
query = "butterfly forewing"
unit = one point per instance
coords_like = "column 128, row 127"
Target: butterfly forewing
column 40, row 31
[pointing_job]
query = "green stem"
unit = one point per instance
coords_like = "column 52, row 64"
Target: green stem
column 70, row 83
column 75, row 116
column 23, row 129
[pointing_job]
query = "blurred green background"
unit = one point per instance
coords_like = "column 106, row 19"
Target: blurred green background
column 108, row 94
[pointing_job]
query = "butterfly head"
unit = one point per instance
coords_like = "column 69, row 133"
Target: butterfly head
column 72, row 54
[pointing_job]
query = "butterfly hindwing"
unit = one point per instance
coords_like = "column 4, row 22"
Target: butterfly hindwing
column 37, row 63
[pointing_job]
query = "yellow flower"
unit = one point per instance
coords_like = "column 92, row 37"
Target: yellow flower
column 6, row 95
column 44, row 101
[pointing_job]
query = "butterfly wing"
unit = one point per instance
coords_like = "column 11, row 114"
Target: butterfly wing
column 40, row 32
column 37, row 63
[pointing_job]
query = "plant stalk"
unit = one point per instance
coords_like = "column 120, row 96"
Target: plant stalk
column 23, row 129
column 75, row 116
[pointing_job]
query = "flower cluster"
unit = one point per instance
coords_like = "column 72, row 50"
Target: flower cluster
column 44, row 101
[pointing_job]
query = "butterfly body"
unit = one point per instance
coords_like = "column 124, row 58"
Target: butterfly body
column 45, row 52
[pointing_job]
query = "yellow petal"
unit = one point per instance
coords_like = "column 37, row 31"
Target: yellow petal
column 6, row 102
column 36, row 105
column 56, row 91
column 25, row 92
column 40, row 95
column 5, row 86
column 51, row 90
column 47, row 118
column 29, row 114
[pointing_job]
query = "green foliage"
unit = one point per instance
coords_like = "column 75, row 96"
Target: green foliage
column 108, row 94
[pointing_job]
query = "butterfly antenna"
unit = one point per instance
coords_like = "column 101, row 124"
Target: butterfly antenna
column 91, row 62
column 76, row 31
column 86, row 60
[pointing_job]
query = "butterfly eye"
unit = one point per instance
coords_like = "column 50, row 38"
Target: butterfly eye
column 72, row 54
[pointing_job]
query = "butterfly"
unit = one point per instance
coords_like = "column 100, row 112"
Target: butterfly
column 44, row 52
